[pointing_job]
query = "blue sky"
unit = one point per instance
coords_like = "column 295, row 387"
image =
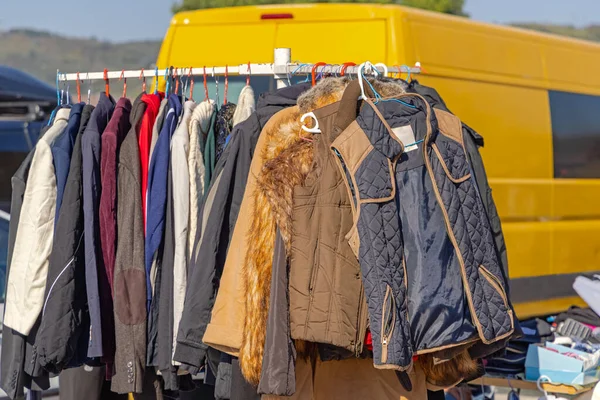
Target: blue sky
column 123, row 20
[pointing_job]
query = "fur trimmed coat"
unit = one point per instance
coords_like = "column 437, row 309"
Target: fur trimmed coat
column 287, row 160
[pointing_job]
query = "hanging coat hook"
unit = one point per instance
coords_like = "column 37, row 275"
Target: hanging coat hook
column 191, row 77
column 226, row 85
column 106, row 84
column 175, row 76
column 89, row 92
column 314, row 69
column 205, row 86
column 155, row 80
column 168, row 80
column 385, row 69
column 321, row 75
column 345, row 67
column 124, row 83
column 248, row 76
column 143, row 79
column 78, row 89
column 58, row 97
column 216, row 85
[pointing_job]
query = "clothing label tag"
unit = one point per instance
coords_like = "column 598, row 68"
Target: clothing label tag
column 406, row 135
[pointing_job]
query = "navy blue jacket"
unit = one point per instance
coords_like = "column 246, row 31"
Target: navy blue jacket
column 90, row 149
column 62, row 149
column 157, row 187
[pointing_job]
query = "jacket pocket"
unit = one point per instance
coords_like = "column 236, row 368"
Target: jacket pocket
column 456, row 173
column 388, row 320
column 495, row 282
column 315, row 269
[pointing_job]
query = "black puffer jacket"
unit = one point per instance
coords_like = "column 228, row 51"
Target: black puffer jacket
column 222, row 205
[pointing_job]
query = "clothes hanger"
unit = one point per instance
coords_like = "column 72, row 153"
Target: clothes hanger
column 143, row 79
column 345, row 66
column 175, row 76
column 106, row 84
column 226, row 85
column 216, row 86
column 191, row 77
column 124, row 83
column 385, row 69
column 314, row 129
column 89, row 92
column 321, row 75
column 65, row 93
column 312, row 72
column 155, row 80
column 205, row 86
column 168, row 79
column 249, row 73
column 78, row 89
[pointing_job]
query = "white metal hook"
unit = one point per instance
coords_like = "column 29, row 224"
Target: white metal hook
column 89, row 92
column 315, row 129
column 385, row 69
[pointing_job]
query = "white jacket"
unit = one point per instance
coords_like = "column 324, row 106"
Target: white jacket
column 198, row 129
column 35, row 233
column 180, row 145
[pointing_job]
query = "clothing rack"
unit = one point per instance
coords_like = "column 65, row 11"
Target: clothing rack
column 282, row 69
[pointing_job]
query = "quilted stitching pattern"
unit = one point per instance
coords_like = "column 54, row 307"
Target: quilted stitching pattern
column 381, row 266
column 380, row 252
column 373, row 178
column 473, row 235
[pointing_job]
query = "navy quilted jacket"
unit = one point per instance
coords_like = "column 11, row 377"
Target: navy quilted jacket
column 429, row 266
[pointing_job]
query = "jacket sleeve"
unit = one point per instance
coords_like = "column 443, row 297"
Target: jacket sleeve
column 207, row 259
column 33, row 244
column 472, row 141
column 181, row 204
column 203, row 278
column 130, row 275
column 279, row 362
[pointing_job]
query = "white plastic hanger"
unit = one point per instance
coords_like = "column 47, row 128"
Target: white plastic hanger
column 385, row 69
column 314, row 129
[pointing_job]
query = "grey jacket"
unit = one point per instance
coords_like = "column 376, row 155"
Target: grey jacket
column 130, row 276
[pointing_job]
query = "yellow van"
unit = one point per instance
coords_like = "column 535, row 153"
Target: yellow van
column 534, row 97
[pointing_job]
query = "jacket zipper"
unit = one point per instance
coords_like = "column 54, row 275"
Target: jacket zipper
column 315, row 269
column 361, row 326
column 388, row 321
column 493, row 280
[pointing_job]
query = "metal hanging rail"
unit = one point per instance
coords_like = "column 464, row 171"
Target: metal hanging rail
column 282, row 69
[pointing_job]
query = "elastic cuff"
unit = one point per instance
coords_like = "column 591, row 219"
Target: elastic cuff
column 186, row 353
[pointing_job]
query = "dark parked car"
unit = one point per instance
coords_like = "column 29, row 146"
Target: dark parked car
column 25, row 105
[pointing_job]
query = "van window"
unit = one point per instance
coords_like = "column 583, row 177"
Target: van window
column 575, row 134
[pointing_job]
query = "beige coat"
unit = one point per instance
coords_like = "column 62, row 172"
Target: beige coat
column 180, row 147
column 29, row 267
column 198, row 127
column 229, row 312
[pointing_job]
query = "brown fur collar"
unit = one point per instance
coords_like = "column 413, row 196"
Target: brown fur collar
column 287, row 161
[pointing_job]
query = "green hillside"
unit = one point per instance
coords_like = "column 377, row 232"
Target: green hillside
column 42, row 53
column 591, row 32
